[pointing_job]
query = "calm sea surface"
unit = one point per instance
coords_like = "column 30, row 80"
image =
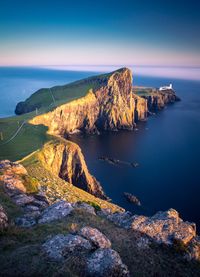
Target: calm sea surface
column 167, row 146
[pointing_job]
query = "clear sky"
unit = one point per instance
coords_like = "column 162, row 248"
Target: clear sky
column 100, row 32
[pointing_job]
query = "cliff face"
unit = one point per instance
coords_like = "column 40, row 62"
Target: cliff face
column 65, row 159
column 107, row 107
column 110, row 104
column 158, row 100
column 140, row 108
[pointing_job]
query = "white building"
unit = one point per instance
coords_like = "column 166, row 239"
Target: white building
column 166, row 87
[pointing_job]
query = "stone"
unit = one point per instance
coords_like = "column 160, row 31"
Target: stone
column 12, row 167
column 106, row 263
column 98, row 239
column 122, row 219
column 25, row 221
column 56, row 211
column 143, row 243
column 22, row 199
column 193, row 249
column 3, row 219
column 165, row 227
column 84, row 206
column 59, row 246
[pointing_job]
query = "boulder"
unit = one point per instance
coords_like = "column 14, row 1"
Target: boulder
column 84, row 206
column 106, row 263
column 12, row 167
column 165, row 227
column 3, row 219
column 25, row 221
column 22, row 199
column 95, row 237
column 60, row 245
column 55, row 212
column 122, row 219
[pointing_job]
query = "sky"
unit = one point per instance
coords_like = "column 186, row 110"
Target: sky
column 100, row 32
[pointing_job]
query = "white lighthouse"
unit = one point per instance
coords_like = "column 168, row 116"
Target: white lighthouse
column 166, row 87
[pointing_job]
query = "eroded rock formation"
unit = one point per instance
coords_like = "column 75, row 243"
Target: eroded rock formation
column 65, row 159
column 108, row 107
column 157, row 100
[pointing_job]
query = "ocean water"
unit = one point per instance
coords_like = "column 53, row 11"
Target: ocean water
column 18, row 83
column 167, row 146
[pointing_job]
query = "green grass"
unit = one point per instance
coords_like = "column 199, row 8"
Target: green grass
column 30, row 137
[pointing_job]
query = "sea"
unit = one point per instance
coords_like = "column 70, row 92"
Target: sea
column 166, row 146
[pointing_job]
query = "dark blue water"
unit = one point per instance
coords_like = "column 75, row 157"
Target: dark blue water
column 167, row 146
column 16, row 84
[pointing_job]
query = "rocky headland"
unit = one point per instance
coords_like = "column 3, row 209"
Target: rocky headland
column 111, row 106
column 55, row 219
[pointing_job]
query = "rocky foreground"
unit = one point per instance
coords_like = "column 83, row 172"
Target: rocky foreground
column 89, row 244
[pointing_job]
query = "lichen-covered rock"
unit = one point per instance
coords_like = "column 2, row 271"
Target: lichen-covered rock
column 11, row 177
column 123, row 219
column 3, row 219
column 22, row 199
column 84, row 206
column 26, row 221
column 98, row 239
column 56, row 211
column 106, row 263
column 66, row 160
column 9, row 167
column 59, row 246
column 165, row 227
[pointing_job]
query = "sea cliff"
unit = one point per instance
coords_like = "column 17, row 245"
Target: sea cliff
column 112, row 105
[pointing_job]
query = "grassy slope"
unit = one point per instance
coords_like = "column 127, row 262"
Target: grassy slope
column 57, row 188
column 31, row 138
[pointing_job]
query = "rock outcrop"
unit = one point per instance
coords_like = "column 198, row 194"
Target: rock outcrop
column 98, row 239
column 165, row 227
column 99, row 260
column 107, row 107
column 157, row 100
column 55, row 212
column 140, row 108
column 65, row 159
column 106, row 263
column 110, row 105
column 60, row 245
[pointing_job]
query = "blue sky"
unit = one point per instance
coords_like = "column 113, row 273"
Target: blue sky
column 99, row 32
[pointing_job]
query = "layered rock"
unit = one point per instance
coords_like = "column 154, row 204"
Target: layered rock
column 157, row 100
column 140, row 108
column 109, row 106
column 65, row 159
